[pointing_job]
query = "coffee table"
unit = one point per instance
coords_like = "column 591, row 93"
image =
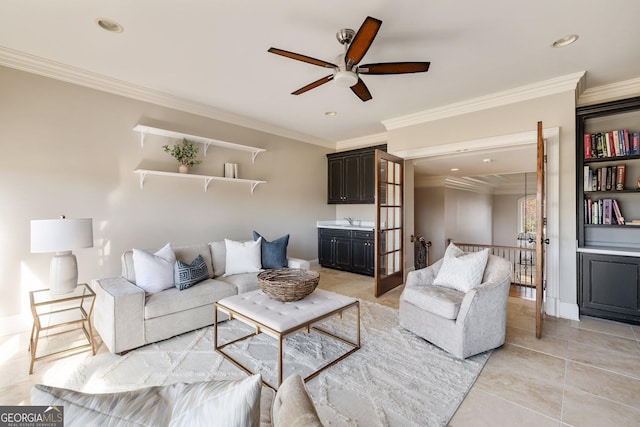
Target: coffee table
column 279, row 319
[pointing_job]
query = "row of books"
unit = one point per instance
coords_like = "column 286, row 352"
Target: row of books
column 607, row 178
column 611, row 144
column 603, row 211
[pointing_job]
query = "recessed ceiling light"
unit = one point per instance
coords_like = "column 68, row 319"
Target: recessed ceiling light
column 109, row 25
column 565, row 41
column 487, row 161
column 330, row 113
column 454, row 169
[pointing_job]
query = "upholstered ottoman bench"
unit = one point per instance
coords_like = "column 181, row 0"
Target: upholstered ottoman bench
column 279, row 319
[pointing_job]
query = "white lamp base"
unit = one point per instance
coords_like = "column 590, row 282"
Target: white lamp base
column 63, row 274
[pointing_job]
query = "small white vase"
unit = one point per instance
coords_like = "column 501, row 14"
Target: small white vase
column 183, row 169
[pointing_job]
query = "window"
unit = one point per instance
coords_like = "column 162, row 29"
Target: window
column 527, row 214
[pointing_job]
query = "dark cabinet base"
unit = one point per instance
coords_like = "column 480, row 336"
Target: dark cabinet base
column 347, row 250
column 610, row 287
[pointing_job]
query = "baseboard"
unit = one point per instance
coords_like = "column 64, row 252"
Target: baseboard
column 555, row 307
column 17, row 324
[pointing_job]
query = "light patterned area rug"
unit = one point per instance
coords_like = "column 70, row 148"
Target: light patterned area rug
column 395, row 379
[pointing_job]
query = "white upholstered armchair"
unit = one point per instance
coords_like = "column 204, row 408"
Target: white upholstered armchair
column 462, row 323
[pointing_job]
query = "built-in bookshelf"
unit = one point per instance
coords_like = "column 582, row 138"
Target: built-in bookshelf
column 608, row 209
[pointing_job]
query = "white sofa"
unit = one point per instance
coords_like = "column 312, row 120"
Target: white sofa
column 127, row 318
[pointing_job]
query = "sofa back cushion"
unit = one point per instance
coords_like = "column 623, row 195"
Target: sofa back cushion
column 218, row 257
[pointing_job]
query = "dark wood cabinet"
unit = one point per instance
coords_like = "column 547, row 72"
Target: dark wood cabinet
column 610, row 287
column 362, row 253
column 351, row 176
column 348, row 250
column 608, row 252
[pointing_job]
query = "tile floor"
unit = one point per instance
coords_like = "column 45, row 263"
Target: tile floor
column 583, row 373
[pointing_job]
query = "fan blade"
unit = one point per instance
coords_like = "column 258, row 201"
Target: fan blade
column 394, row 68
column 362, row 41
column 303, row 58
column 361, row 90
column 313, row 85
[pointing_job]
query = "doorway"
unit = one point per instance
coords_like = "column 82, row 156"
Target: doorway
column 508, row 150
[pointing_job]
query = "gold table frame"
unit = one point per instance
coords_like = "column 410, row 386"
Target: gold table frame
column 42, row 321
column 280, row 335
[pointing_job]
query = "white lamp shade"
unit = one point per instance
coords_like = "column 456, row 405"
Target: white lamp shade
column 58, row 235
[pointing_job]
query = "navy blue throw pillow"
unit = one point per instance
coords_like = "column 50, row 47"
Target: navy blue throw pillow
column 274, row 254
column 187, row 275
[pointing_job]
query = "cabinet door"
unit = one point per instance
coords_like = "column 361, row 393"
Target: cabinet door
column 610, row 286
column 368, row 177
column 325, row 250
column 352, row 179
column 359, row 255
column 342, row 251
column 336, row 179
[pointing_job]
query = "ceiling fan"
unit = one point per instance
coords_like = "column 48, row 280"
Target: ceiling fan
column 348, row 72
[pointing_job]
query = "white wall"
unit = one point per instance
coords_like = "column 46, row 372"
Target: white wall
column 71, row 150
column 505, row 219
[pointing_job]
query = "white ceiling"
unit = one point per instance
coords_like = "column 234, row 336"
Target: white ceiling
column 214, row 52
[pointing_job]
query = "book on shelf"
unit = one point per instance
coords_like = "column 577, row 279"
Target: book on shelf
column 606, row 211
column 614, row 143
column 618, row 212
column 620, row 175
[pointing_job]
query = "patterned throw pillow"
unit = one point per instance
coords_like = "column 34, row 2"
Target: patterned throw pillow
column 187, row 275
column 462, row 272
column 274, row 253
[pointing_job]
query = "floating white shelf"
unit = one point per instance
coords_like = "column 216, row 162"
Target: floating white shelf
column 206, row 142
column 206, row 178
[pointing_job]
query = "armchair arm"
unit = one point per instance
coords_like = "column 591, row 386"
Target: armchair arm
column 424, row 276
column 487, row 301
column 119, row 313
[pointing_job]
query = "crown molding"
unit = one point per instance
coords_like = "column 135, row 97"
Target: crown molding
column 55, row 70
column 523, row 93
column 610, row 92
column 364, row 141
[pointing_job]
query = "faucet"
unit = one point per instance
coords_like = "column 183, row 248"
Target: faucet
column 349, row 220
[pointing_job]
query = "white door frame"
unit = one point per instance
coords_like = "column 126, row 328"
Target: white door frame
column 553, row 306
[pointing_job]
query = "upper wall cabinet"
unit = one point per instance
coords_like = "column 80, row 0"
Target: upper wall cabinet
column 351, row 176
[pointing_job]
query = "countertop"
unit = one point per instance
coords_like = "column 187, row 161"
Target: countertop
column 344, row 225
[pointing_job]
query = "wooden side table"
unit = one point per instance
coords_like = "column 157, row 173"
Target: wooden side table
column 52, row 311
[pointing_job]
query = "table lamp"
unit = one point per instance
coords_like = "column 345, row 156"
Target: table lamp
column 62, row 236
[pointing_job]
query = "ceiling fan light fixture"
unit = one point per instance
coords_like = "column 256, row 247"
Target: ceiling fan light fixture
column 345, row 78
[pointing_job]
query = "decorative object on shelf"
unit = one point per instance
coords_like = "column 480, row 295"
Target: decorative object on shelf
column 185, row 153
column 62, row 236
column 231, row 170
column 288, row 284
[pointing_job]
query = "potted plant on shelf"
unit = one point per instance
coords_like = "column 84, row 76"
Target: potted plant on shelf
column 185, row 153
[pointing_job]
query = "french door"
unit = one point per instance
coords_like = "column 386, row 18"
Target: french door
column 389, row 234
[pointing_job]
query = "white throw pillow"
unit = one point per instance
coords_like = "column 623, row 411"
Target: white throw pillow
column 453, row 251
column 463, row 272
column 218, row 403
column 242, row 257
column 154, row 272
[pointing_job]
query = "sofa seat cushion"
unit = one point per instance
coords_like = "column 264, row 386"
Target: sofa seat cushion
column 243, row 282
column 173, row 300
column 445, row 302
